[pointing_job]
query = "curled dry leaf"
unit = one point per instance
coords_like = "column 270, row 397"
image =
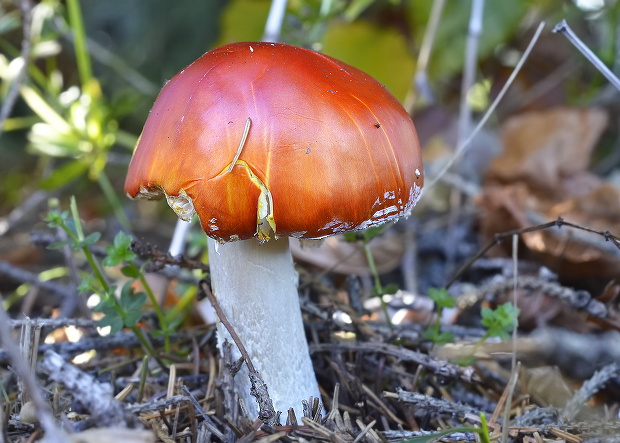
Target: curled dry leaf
column 336, row 255
column 546, row 149
column 542, row 175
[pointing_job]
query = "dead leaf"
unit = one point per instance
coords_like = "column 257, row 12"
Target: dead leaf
column 543, row 148
column 542, row 175
column 336, row 255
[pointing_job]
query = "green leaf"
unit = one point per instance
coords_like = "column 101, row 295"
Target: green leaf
column 437, row 337
column 500, row 321
column 392, row 288
column 86, row 284
column 44, row 110
column 131, row 318
column 114, row 322
column 131, row 271
column 352, row 236
column 373, row 232
column 9, row 20
column 58, row 245
column 90, row 239
column 243, row 21
column 131, row 300
column 56, row 218
column 64, row 174
column 441, row 298
column 119, row 251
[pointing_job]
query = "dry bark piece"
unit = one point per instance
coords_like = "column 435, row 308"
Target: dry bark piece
column 93, row 396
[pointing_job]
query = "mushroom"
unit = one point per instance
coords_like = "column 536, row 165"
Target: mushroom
column 264, row 141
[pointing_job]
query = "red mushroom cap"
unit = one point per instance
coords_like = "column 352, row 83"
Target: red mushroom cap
column 329, row 149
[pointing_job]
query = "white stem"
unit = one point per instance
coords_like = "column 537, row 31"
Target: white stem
column 256, row 286
column 177, row 244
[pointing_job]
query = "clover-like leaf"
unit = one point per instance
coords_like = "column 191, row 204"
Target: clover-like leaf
column 115, row 322
column 119, row 251
column 441, row 298
column 500, row 321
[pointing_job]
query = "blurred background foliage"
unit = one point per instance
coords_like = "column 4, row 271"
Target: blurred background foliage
column 80, row 111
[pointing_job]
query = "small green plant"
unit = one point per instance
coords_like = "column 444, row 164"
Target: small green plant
column 443, row 301
column 124, row 311
column 499, row 321
column 379, row 289
column 73, row 127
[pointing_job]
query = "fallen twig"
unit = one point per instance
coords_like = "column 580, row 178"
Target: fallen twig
column 565, row 30
column 266, row 411
column 431, row 405
column 44, row 414
column 499, row 238
column 94, row 396
column 441, row 368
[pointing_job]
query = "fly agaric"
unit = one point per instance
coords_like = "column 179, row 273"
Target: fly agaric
column 264, row 141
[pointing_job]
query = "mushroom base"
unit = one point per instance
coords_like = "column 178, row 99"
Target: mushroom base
column 256, row 287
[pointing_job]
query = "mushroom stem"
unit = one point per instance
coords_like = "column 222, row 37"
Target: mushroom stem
column 256, row 287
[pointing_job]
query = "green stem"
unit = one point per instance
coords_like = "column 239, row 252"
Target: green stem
column 163, row 323
column 79, row 42
column 378, row 285
column 145, row 343
column 112, row 198
column 144, row 370
column 182, row 304
column 94, row 265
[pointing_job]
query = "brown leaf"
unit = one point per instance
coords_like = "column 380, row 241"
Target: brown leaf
column 544, row 148
column 336, row 255
column 542, row 175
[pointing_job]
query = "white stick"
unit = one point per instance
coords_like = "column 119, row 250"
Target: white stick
column 274, row 21
column 469, row 74
column 177, row 244
column 256, row 287
column 463, row 146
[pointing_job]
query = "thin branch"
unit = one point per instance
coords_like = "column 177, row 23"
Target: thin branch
column 565, row 30
column 442, row 368
column 514, row 369
column 463, row 146
column 207, row 420
column 159, row 259
column 266, row 411
column 220, row 313
column 22, row 276
column 593, row 385
column 430, row 404
column 469, row 73
column 420, row 81
column 499, row 238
